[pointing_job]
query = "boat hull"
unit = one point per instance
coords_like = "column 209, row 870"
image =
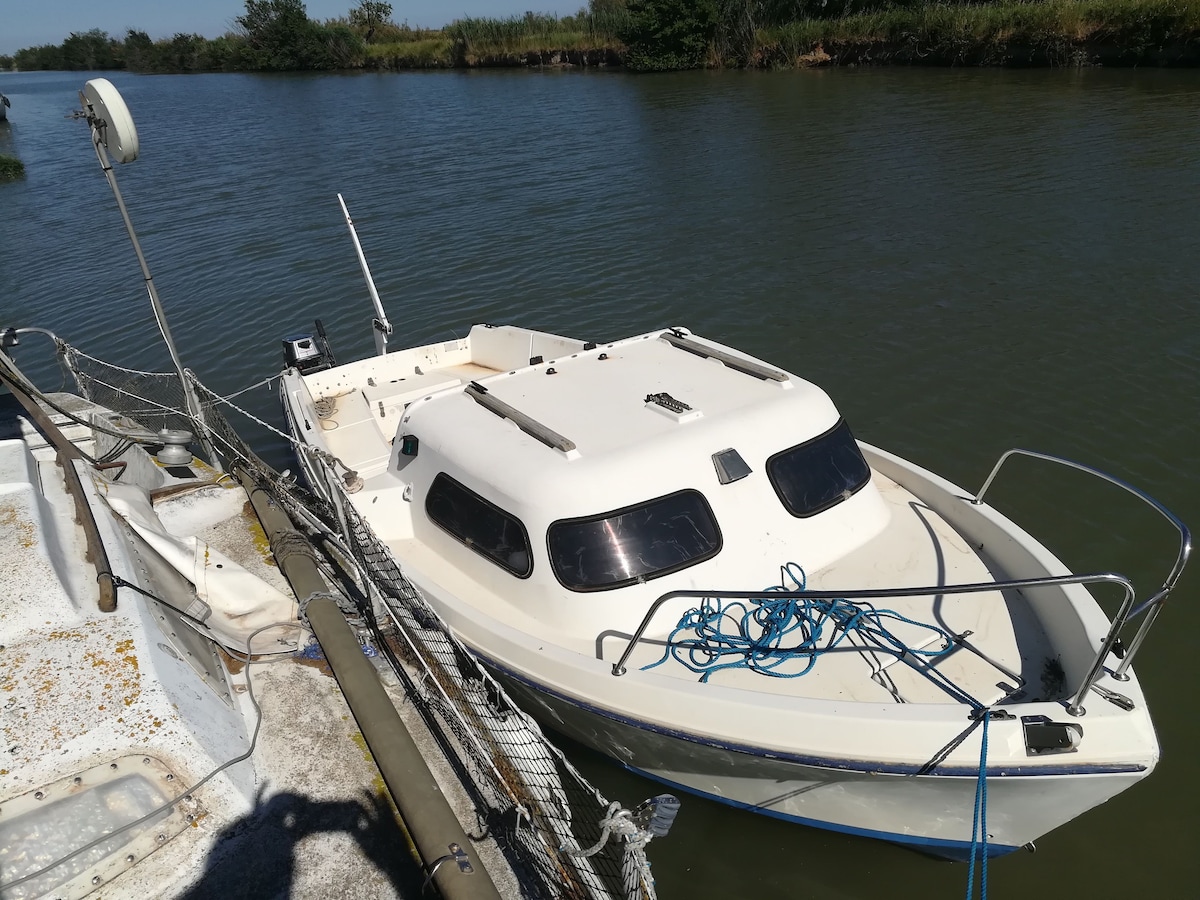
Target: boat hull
column 932, row 813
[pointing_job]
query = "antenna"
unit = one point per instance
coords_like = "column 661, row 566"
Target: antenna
column 113, row 132
column 383, row 328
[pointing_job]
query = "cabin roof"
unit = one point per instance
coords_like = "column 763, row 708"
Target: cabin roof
column 597, row 402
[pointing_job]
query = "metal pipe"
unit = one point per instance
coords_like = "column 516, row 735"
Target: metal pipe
column 67, row 454
column 439, row 836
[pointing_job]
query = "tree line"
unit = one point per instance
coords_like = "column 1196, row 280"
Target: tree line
column 271, row 35
column 650, row 35
column 278, row 35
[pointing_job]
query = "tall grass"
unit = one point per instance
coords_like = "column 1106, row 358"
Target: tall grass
column 479, row 38
column 421, row 53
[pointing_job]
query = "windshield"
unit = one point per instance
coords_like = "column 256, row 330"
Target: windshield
column 633, row 544
column 813, row 476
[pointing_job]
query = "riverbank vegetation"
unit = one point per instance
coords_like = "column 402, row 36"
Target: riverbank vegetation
column 11, row 168
column 649, row 35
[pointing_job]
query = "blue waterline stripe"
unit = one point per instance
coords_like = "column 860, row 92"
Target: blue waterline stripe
column 846, row 765
column 956, row 850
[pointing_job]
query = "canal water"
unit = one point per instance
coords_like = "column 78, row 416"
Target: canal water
column 966, row 260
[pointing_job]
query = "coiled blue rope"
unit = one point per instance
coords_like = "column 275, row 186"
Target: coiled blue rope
column 766, row 634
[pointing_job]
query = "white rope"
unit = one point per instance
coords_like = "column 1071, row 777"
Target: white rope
column 72, row 351
column 253, row 418
column 266, row 381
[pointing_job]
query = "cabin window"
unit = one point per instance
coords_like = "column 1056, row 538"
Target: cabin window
column 480, row 524
column 633, row 544
column 811, row 477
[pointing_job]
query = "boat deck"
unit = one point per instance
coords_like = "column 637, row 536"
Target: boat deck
column 138, row 691
column 361, row 422
column 1000, row 651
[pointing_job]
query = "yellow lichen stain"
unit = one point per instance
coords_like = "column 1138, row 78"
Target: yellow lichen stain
column 3, row 771
column 261, row 542
column 14, row 523
column 376, row 782
column 123, row 648
column 61, row 635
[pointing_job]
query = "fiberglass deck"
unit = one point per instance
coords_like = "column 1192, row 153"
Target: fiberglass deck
column 1000, row 651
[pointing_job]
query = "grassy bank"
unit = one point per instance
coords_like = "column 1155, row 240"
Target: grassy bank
column 531, row 39
column 1005, row 33
column 1053, row 32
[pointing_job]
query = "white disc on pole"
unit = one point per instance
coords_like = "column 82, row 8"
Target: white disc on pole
column 117, row 131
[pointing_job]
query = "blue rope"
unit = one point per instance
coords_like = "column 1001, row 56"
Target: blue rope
column 765, row 634
column 979, row 837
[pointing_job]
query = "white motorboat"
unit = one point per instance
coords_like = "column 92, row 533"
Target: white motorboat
column 680, row 555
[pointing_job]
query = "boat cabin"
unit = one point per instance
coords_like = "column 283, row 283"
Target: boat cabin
column 581, row 481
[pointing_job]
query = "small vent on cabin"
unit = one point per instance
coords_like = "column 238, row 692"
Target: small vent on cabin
column 667, row 402
column 730, row 466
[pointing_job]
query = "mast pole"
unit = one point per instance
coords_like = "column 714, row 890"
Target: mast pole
column 381, row 325
column 194, row 408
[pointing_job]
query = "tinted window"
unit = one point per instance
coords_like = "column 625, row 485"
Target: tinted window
column 820, row 473
column 633, row 544
column 481, row 525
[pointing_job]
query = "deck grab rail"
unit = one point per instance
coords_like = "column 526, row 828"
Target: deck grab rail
column 1159, row 598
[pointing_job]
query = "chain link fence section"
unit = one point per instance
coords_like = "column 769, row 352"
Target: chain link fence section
column 533, row 802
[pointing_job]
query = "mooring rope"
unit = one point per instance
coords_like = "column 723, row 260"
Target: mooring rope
column 979, row 835
column 756, row 634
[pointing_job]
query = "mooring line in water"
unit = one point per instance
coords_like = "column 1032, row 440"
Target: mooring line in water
column 979, row 836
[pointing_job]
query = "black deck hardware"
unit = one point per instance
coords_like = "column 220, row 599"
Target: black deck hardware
column 667, row 402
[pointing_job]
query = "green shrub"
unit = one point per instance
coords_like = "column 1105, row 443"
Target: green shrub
column 11, row 168
column 660, row 35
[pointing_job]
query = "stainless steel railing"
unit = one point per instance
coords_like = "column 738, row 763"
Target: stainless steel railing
column 1075, row 708
column 1155, row 604
column 1126, row 611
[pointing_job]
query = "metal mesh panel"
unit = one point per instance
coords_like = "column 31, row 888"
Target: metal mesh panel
column 153, row 399
column 532, row 800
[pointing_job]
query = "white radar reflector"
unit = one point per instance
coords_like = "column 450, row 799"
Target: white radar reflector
column 117, row 131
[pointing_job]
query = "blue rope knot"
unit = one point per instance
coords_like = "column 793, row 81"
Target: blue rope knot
column 782, row 636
